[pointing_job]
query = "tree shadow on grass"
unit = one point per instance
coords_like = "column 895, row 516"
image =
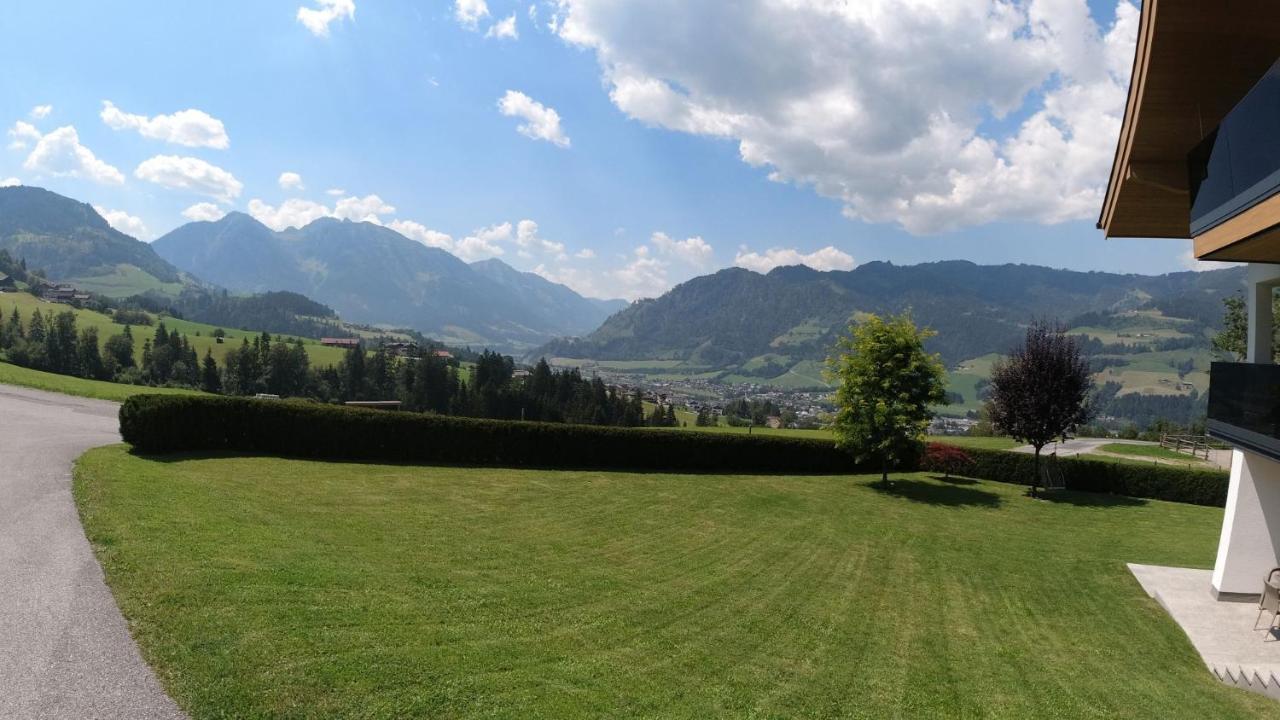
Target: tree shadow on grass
column 948, row 495
column 1088, row 499
column 954, row 479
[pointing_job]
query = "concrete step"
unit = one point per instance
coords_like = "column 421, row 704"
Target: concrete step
column 1262, row 682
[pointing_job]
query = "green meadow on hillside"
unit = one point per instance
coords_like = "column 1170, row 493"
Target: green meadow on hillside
column 26, row 304
column 125, row 281
column 260, row 587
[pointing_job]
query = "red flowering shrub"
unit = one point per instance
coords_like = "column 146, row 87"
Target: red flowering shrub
column 946, row 459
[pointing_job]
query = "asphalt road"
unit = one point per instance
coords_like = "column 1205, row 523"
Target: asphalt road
column 1086, row 446
column 65, row 650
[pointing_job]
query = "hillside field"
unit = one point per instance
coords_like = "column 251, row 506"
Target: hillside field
column 262, row 587
column 26, row 304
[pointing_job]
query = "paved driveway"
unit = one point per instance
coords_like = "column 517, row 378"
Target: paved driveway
column 1087, row 446
column 65, row 651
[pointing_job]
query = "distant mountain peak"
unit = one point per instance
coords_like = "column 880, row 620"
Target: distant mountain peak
column 370, row 273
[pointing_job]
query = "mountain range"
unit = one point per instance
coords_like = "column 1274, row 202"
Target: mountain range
column 367, row 273
column 372, row 274
column 69, row 240
column 764, row 324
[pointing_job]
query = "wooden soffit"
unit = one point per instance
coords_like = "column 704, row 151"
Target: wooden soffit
column 1194, row 60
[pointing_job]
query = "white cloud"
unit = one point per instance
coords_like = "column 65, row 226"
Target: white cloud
column 484, row 243
column 504, row 29
column 290, row 181
column 294, row 212
column 528, row 240
column 828, row 258
column 192, row 128
column 540, row 121
column 585, row 254
column 335, row 192
column 883, row 105
column 205, row 211
column 468, row 13
column 10, row 182
column 423, row 234
column 694, row 251
column 297, row 212
column 318, row 19
column 644, row 276
column 362, row 209
column 60, row 153
column 41, row 112
column 124, row 222
column 22, row 134
column 192, row 174
column 1190, row 262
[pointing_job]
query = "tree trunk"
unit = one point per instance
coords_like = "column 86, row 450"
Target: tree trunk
column 1035, row 480
column 884, row 470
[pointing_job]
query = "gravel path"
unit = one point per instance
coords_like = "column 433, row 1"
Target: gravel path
column 65, row 650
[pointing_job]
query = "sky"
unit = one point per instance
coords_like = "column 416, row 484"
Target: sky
column 617, row 146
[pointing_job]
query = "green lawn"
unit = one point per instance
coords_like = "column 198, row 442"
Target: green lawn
column 1148, row 451
column 981, row 443
column 15, row 375
column 261, row 587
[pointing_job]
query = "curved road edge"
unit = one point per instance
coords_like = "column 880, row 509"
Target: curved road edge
column 65, row 649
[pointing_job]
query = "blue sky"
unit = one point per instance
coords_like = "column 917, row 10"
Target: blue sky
column 400, row 100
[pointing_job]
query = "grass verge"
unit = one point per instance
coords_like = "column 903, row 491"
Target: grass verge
column 15, row 375
column 269, row 587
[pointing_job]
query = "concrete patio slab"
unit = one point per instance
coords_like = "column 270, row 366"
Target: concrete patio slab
column 1222, row 632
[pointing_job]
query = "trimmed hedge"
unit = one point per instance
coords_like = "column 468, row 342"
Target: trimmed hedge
column 1157, row 482
column 175, row 423
column 191, row 423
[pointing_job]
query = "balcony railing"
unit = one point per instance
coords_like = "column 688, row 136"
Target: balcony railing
column 1244, row 406
column 1237, row 165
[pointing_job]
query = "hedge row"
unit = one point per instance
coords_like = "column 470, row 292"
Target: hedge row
column 181, row 423
column 1157, row 482
column 176, row 423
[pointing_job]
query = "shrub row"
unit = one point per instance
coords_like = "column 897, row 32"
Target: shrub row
column 181, row 423
column 175, row 423
column 1157, row 482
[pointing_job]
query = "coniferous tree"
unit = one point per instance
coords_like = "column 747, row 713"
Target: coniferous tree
column 210, row 379
column 89, row 356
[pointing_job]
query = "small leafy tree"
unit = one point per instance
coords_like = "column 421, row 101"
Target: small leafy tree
column 1232, row 340
column 1040, row 392
column 887, row 386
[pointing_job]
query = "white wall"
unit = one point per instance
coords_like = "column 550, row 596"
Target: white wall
column 1250, row 543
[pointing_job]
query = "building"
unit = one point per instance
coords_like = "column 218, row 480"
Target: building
column 1198, row 158
column 7, row 283
column 442, row 354
column 62, row 293
column 402, row 349
column 339, row 341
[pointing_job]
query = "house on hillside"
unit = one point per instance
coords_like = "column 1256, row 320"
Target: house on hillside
column 442, row 354
column 340, row 342
column 7, row 283
column 1199, row 158
column 62, row 293
column 402, row 349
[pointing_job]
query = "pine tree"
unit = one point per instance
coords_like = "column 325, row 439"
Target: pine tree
column 210, row 380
